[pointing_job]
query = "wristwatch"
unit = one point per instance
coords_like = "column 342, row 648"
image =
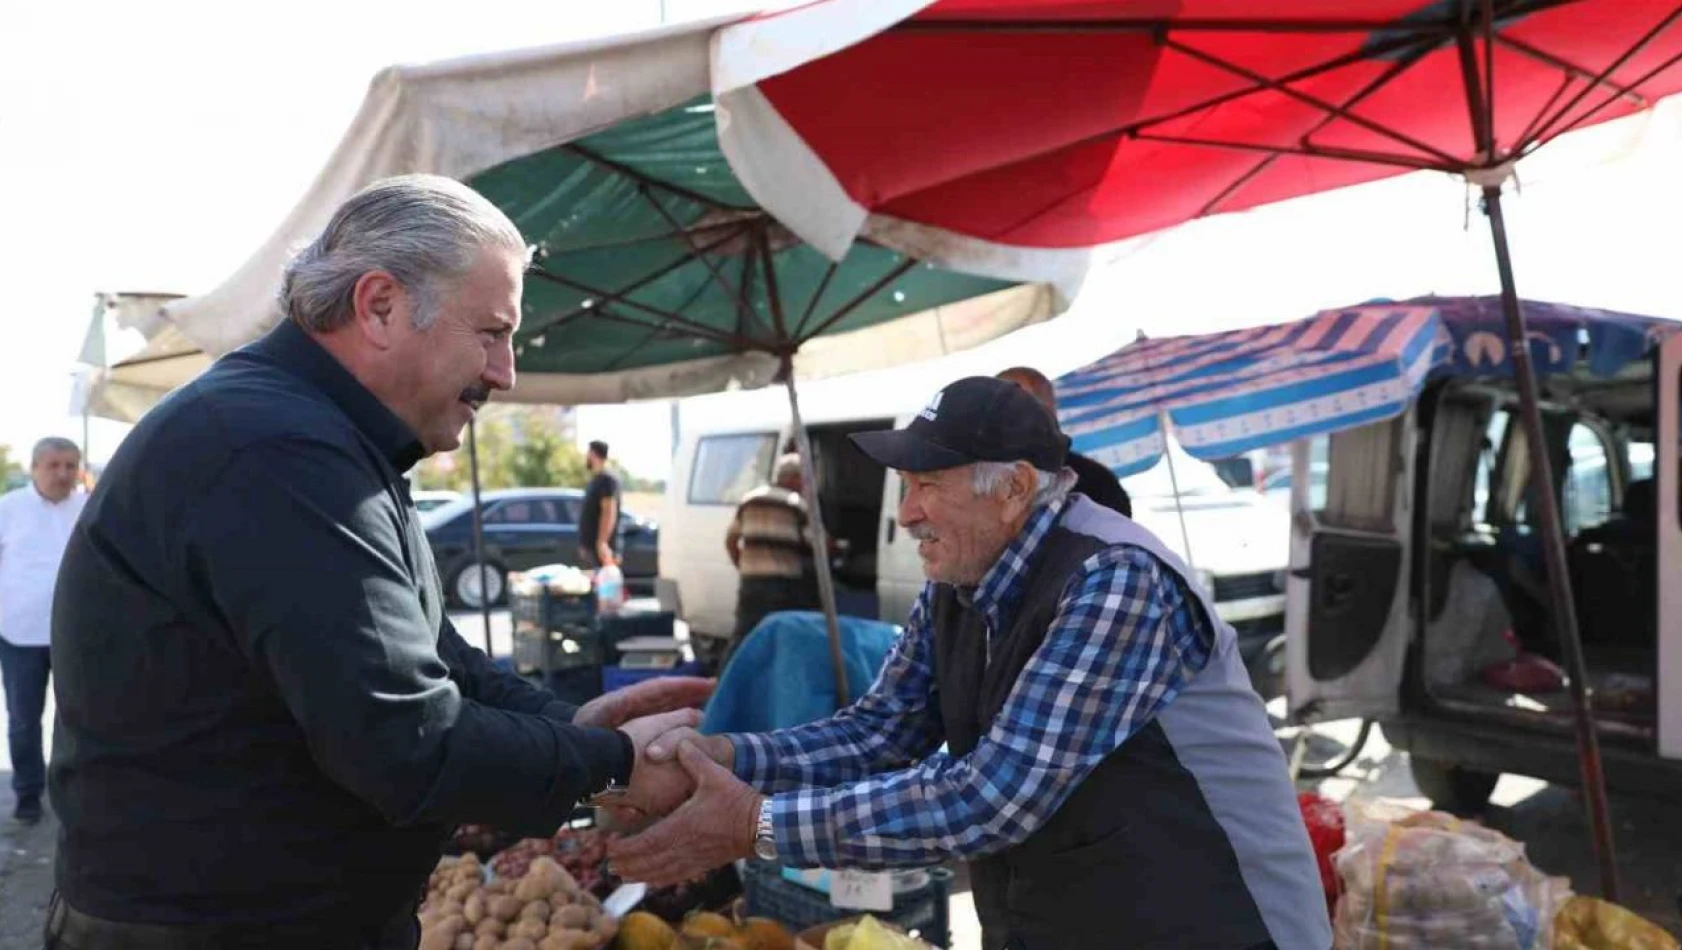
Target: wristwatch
column 765, row 834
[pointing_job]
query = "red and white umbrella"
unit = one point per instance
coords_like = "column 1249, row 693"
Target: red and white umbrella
column 1010, row 137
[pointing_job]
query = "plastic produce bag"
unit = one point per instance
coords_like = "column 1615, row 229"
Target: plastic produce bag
column 1588, row 923
column 1324, row 820
column 1416, row 880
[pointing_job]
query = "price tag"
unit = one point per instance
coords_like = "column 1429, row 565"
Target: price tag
column 862, row 890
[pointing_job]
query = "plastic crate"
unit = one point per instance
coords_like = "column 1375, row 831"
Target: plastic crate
column 923, row 910
column 557, row 648
column 545, row 610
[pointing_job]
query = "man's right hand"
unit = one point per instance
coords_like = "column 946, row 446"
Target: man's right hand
column 656, row 787
column 718, row 748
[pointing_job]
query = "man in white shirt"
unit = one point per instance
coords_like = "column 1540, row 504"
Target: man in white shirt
column 35, row 523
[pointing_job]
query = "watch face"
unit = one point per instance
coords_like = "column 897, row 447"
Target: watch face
column 765, row 849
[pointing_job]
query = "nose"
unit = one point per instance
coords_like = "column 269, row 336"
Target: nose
column 910, row 508
column 499, row 365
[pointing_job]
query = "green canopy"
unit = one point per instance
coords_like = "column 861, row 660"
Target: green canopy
column 648, row 252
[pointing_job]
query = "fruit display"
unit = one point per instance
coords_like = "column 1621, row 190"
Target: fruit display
column 701, row 930
column 868, row 933
column 542, row 909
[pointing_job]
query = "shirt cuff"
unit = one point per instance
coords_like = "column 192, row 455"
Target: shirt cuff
column 611, row 756
column 755, row 761
column 558, row 711
column 801, row 822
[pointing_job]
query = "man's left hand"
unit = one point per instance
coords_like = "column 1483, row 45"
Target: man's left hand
column 647, row 698
column 714, row 827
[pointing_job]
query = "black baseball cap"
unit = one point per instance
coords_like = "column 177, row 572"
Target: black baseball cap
column 976, row 419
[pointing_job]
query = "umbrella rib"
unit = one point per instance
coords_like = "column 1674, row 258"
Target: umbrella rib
column 609, row 300
column 812, row 304
column 1618, row 94
column 1602, row 77
column 763, row 240
column 1317, row 151
column 1158, row 24
column 1399, row 67
column 1572, row 70
column 871, row 291
column 703, row 332
column 1480, row 103
column 744, row 311
column 647, row 181
column 1316, row 102
column 538, row 271
column 1542, row 113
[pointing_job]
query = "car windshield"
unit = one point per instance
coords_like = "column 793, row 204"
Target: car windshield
column 1194, row 477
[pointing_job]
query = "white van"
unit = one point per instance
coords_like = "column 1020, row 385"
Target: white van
column 1419, row 559
column 1239, row 539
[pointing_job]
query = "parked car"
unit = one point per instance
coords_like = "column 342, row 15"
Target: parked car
column 526, row 528
column 427, row 499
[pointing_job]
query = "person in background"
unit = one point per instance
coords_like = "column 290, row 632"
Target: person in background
column 267, row 724
column 598, row 519
column 770, row 543
column 1064, row 710
column 1092, row 479
column 35, row 524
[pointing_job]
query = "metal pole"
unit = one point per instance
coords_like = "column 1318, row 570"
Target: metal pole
column 1553, row 551
column 820, row 538
column 479, row 533
column 1174, row 483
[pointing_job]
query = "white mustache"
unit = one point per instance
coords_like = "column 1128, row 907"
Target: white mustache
column 921, row 532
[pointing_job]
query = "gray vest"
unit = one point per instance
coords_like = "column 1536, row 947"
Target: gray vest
column 1187, row 836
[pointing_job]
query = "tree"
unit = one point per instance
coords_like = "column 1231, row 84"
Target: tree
column 543, row 458
column 10, row 471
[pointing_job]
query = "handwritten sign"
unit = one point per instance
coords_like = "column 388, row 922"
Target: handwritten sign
column 862, row 890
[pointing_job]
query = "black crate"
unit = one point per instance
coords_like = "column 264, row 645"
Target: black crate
column 545, row 610
column 924, row 910
column 550, row 650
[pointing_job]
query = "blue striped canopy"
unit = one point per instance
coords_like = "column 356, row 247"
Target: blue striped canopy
column 1228, row 393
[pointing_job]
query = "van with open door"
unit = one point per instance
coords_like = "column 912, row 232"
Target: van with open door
column 1238, row 537
column 1418, row 595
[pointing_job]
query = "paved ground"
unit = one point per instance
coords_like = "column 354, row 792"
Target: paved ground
column 1548, row 819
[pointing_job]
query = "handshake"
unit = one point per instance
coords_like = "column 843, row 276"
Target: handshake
column 689, row 812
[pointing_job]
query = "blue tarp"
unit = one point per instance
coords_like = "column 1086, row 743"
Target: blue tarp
column 781, row 674
column 1229, row 393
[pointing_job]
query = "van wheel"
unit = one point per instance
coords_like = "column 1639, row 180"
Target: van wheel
column 1452, row 788
column 464, row 586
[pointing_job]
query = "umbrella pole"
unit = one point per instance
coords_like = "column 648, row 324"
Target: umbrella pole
column 820, row 537
column 479, row 532
column 1174, row 483
column 1553, row 552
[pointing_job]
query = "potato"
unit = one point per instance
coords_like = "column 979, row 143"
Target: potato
column 501, row 885
column 485, row 942
column 571, row 917
column 437, row 941
column 606, row 927
column 464, row 941
column 506, row 907
column 518, row 943
column 490, row 927
column 570, row 940
column 452, row 925
column 461, row 891
column 536, row 910
column 533, row 930
column 474, row 909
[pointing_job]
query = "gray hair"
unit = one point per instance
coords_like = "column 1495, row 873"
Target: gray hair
column 419, row 228
column 987, row 477
column 52, row 443
column 787, row 466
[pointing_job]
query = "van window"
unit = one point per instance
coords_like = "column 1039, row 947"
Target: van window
column 1483, row 484
column 1362, row 466
column 524, row 511
column 1588, row 482
column 729, row 466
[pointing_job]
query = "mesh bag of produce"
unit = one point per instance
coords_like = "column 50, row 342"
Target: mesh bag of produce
column 1413, row 880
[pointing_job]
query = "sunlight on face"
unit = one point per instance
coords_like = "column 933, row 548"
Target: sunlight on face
column 959, row 533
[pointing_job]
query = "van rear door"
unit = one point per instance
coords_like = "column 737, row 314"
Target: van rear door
column 1346, row 608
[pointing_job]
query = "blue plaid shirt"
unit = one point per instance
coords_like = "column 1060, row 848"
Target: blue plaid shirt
column 871, row 786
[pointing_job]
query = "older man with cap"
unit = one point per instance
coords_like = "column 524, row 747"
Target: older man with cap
column 1108, row 772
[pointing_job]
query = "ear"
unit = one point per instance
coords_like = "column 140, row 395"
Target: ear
column 378, row 303
column 1020, row 494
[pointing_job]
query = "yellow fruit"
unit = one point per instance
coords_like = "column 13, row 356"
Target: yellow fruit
column 644, row 931
column 703, row 924
column 760, row 933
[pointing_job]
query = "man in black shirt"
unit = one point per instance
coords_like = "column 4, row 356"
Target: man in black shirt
column 267, row 724
column 598, row 519
column 1094, row 480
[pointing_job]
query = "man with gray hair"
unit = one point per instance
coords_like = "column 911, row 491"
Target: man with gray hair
column 267, row 723
column 1108, row 774
column 35, row 523
column 770, row 542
